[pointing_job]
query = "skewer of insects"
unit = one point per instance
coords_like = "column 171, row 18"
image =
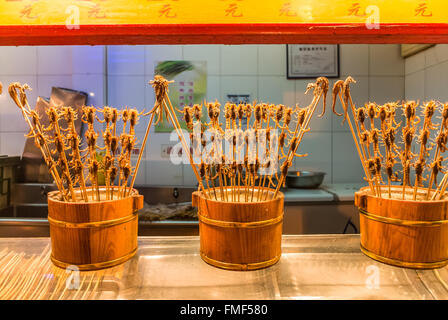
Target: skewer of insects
column 418, row 130
column 239, row 164
column 75, row 165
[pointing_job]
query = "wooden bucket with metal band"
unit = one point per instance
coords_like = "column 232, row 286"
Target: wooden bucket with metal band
column 93, row 235
column 405, row 233
column 239, row 235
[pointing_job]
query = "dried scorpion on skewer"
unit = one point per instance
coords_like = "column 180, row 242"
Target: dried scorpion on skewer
column 74, row 142
column 239, row 170
column 423, row 138
column 374, row 161
column 409, row 110
column 64, row 144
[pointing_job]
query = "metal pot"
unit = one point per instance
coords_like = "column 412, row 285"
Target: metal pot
column 304, row 179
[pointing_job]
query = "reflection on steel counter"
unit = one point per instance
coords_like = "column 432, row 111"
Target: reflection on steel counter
column 312, row 267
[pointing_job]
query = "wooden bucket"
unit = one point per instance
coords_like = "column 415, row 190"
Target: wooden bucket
column 405, row 233
column 240, row 235
column 93, row 235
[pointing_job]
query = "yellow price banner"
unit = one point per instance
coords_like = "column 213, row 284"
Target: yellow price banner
column 187, row 12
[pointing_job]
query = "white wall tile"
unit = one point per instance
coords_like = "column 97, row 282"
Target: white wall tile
column 347, row 166
column 415, row 86
column 213, row 88
column 11, row 119
column 141, row 174
column 318, row 147
column 442, row 52
column 272, row 60
column 239, row 85
column 126, row 91
column 436, row 55
column 354, row 59
column 208, row 53
column 385, row 60
column 93, row 85
column 163, row 172
column 12, row 143
column 239, row 60
column 276, row 89
column 126, row 60
column 46, row 82
column 415, row 63
column 54, row 60
column 386, row 89
column 18, row 60
column 161, row 53
column 88, row 59
column 189, row 178
column 436, row 82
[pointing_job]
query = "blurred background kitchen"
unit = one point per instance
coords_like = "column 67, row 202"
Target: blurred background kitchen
column 118, row 76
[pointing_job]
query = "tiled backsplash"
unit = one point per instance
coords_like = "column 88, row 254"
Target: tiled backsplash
column 426, row 74
column 256, row 69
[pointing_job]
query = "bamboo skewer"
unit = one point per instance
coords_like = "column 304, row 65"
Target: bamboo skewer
column 182, row 139
column 72, row 171
column 148, row 128
column 36, row 131
column 337, row 88
column 424, row 138
column 235, row 173
column 160, row 85
column 238, row 172
column 441, row 141
column 320, row 90
column 73, row 139
column 373, row 161
column 440, row 187
column 60, row 149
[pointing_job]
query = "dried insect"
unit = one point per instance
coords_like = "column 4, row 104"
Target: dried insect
column 89, row 116
column 63, row 141
column 437, row 167
column 242, row 163
column 361, row 117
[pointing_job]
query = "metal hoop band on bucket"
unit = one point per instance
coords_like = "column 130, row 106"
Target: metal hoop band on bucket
column 95, row 266
column 96, row 224
column 231, row 224
column 401, row 222
column 413, row 265
column 240, row 266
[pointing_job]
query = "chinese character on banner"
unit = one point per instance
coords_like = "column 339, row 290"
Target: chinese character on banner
column 354, row 10
column 166, row 12
column 233, row 11
column 26, row 12
column 423, row 10
column 95, row 12
column 285, row 10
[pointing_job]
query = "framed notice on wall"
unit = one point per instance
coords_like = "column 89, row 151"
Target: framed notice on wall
column 312, row 61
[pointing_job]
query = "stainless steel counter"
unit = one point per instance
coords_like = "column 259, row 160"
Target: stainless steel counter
column 311, row 267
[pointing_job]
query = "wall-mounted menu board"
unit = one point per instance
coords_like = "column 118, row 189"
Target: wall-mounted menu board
column 222, row 21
